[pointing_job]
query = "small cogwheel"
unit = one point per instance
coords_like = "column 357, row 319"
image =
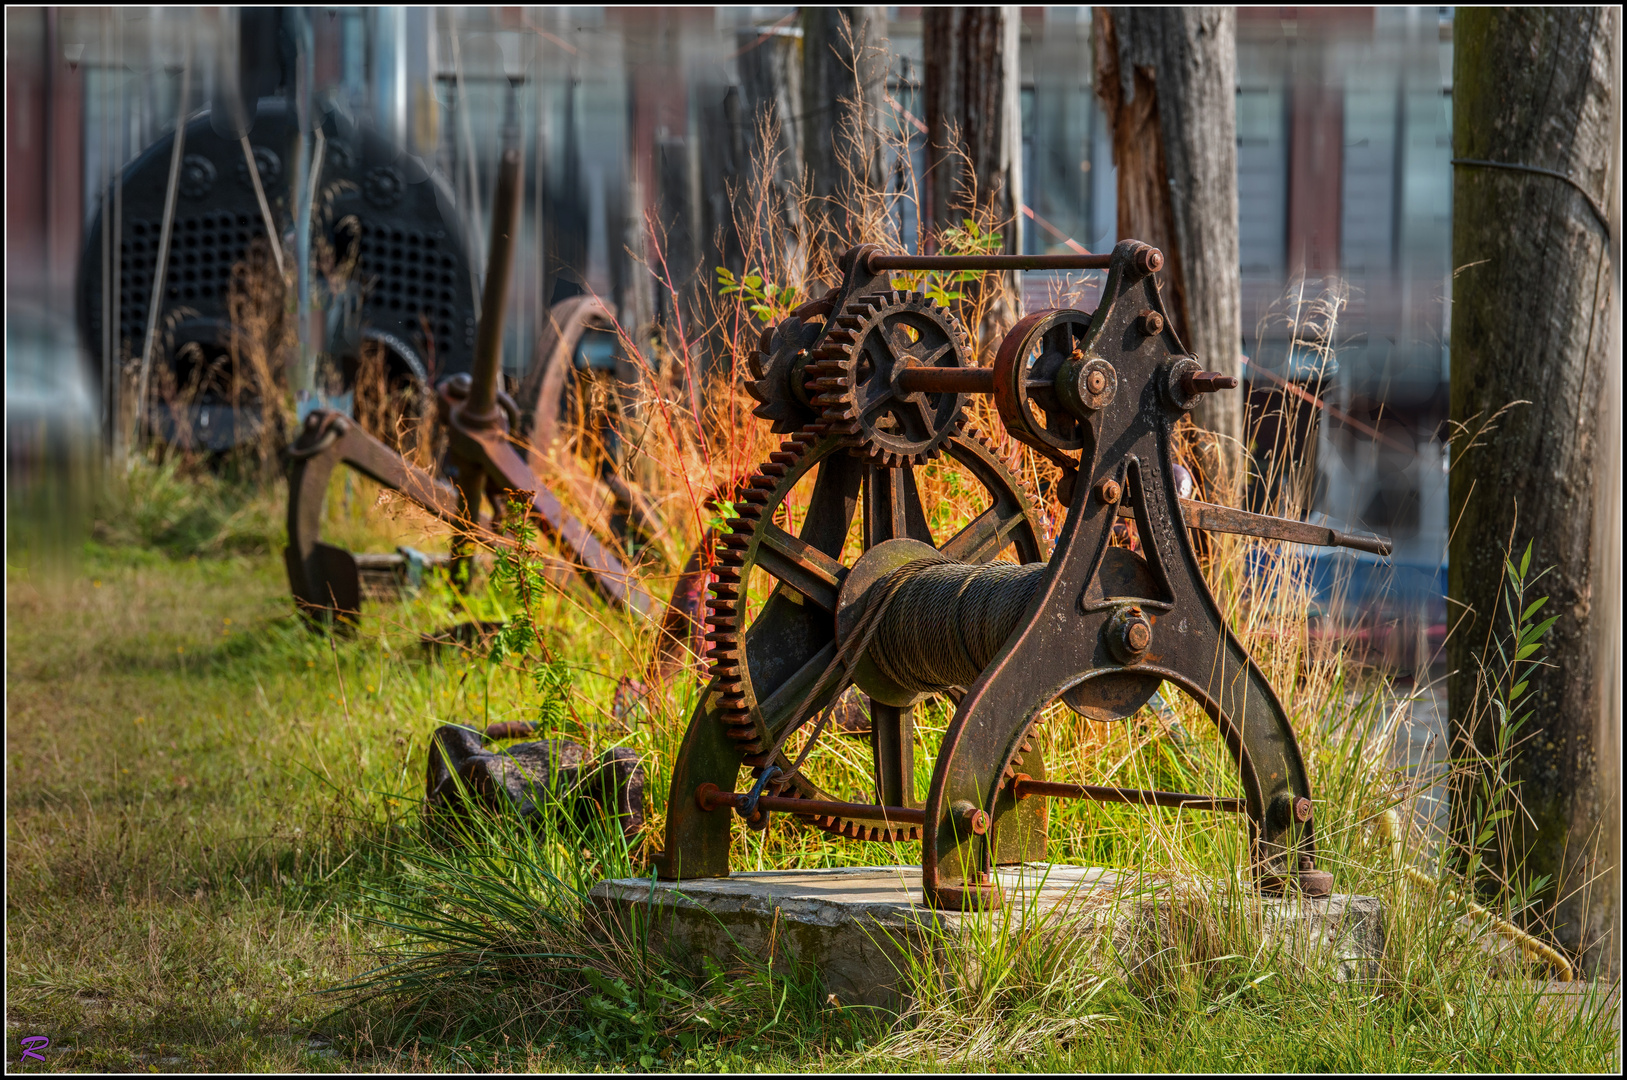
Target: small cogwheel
column 777, row 369
column 855, row 371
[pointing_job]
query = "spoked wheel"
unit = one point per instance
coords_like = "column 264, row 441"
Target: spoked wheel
column 766, row 657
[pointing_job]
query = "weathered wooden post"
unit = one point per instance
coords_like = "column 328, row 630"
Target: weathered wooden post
column 973, row 116
column 844, row 76
column 1167, row 78
column 1534, row 115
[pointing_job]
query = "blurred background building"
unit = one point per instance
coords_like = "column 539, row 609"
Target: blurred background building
column 636, row 118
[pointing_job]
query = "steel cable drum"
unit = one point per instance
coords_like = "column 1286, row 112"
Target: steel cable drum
column 411, row 290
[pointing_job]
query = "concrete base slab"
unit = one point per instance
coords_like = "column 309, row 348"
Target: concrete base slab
column 858, row 926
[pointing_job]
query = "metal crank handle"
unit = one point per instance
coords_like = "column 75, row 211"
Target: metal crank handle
column 1224, row 519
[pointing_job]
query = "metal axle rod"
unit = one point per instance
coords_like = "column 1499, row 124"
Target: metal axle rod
column 1025, row 786
column 944, row 380
column 485, row 382
column 878, row 262
column 709, row 797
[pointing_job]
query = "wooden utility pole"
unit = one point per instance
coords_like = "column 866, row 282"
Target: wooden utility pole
column 1167, row 79
column 844, row 80
column 972, row 111
column 1532, row 298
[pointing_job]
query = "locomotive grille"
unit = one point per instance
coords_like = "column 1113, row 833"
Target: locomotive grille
column 413, row 274
column 203, row 250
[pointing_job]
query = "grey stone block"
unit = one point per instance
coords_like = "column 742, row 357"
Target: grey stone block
column 858, row 927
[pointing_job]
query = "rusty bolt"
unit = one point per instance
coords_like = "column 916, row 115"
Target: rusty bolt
column 1096, row 382
column 1128, row 634
column 1108, row 491
column 1302, row 808
column 1149, row 260
column 970, row 819
column 1151, row 323
column 1138, row 636
column 1207, row 382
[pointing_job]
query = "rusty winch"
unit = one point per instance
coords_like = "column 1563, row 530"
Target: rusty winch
column 870, row 383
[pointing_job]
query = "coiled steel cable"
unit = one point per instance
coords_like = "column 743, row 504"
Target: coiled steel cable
column 945, row 621
column 931, row 624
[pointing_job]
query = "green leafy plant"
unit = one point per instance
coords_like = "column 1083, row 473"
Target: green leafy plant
column 764, row 299
column 722, row 511
column 946, row 286
column 1505, row 676
column 519, row 570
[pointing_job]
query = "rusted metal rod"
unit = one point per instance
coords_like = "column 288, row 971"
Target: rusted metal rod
column 1225, row 519
column 879, row 262
column 1208, row 382
column 711, row 798
column 943, row 380
column 1025, row 786
column 494, row 300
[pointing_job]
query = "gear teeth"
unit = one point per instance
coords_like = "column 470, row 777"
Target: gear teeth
column 832, row 375
column 770, row 366
column 724, row 648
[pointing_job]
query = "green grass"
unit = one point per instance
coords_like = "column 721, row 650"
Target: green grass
column 212, row 827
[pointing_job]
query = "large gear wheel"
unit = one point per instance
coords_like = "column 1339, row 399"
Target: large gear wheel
column 853, row 377
column 764, row 669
